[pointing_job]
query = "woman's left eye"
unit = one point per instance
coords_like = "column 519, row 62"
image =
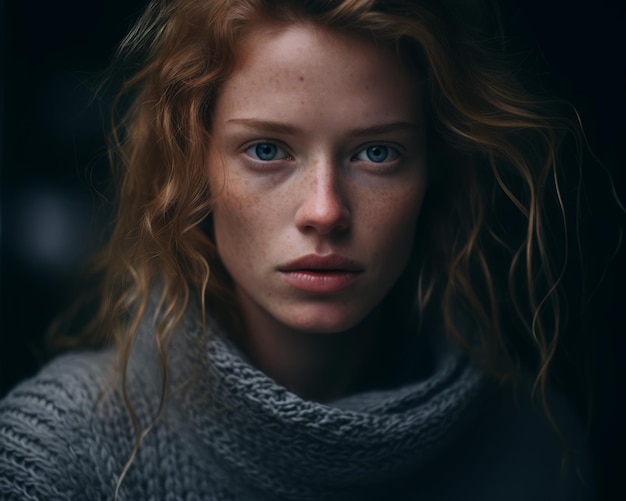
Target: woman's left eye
column 377, row 153
column 266, row 152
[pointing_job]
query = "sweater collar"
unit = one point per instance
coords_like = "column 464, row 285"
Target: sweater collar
column 274, row 445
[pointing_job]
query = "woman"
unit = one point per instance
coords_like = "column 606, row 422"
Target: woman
column 330, row 276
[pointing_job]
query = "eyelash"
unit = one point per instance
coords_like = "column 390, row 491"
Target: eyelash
column 390, row 151
column 255, row 156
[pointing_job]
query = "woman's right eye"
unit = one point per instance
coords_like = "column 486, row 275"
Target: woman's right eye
column 266, row 152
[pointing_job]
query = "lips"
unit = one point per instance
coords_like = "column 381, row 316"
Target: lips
column 321, row 274
column 316, row 262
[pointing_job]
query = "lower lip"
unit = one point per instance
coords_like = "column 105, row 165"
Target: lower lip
column 323, row 281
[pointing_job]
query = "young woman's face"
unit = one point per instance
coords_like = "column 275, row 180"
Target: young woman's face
column 318, row 170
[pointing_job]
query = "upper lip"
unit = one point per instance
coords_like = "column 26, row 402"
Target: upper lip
column 317, row 262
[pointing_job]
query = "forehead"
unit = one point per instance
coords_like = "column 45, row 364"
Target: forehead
column 285, row 39
column 303, row 65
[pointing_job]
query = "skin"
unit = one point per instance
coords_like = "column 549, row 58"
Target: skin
column 315, row 100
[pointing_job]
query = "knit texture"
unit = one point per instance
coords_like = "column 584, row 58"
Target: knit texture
column 228, row 432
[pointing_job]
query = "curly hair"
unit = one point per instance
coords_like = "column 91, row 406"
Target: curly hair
column 491, row 252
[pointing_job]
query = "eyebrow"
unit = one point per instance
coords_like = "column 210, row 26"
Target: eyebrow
column 284, row 128
column 385, row 129
column 266, row 125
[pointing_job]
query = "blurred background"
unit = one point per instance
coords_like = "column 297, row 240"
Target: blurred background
column 55, row 185
column 55, row 175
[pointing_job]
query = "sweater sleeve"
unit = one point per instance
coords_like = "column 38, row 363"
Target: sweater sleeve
column 48, row 448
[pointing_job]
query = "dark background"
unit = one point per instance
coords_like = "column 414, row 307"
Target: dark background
column 54, row 167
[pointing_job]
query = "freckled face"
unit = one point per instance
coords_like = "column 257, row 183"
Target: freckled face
column 317, row 166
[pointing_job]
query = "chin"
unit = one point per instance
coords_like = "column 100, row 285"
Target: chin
column 324, row 320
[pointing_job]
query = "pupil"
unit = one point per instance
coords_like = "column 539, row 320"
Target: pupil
column 266, row 151
column 377, row 153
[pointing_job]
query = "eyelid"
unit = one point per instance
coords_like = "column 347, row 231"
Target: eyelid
column 279, row 145
column 398, row 149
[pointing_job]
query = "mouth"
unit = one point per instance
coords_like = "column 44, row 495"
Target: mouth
column 315, row 263
column 321, row 274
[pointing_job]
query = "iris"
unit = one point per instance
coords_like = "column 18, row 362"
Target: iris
column 266, row 151
column 377, row 153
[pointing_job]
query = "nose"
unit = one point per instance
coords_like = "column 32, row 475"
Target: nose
column 324, row 208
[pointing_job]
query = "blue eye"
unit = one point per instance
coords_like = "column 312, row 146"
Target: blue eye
column 377, row 153
column 266, row 152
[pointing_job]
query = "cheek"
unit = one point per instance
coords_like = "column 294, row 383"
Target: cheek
column 246, row 225
column 392, row 220
column 234, row 220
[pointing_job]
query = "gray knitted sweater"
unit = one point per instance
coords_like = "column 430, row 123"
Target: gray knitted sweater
column 228, row 432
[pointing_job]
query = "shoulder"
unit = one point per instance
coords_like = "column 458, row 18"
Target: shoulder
column 546, row 457
column 514, row 452
column 50, row 429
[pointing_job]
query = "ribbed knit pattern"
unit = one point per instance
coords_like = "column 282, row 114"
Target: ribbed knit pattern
column 277, row 444
column 230, row 434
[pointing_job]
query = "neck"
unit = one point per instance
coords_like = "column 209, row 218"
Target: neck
column 315, row 366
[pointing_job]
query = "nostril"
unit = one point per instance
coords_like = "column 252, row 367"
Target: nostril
column 325, row 202
column 324, row 213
